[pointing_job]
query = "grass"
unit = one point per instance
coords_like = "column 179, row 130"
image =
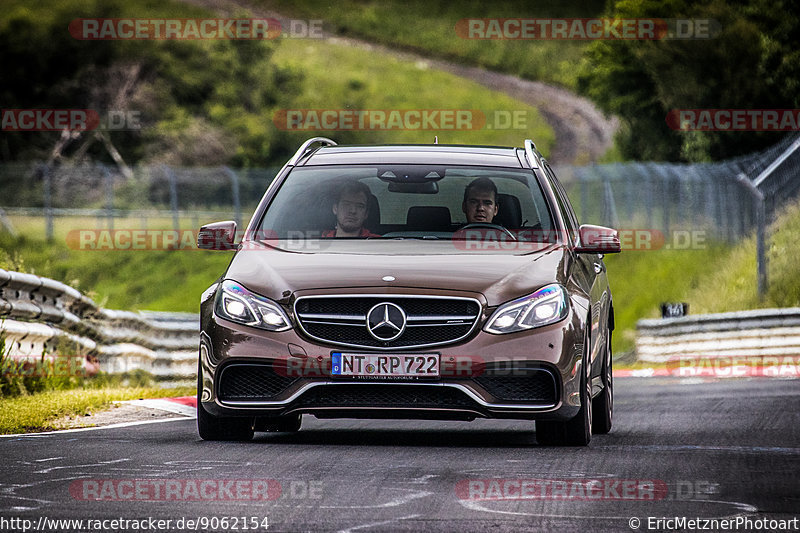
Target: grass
column 38, row 412
column 346, row 77
column 715, row 278
column 430, row 29
column 643, row 279
column 165, row 280
column 738, row 273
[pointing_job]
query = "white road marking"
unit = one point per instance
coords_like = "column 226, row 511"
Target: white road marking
column 376, row 524
column 476, row 506
column 393, row 503
column 91, row 465
column 110, row 426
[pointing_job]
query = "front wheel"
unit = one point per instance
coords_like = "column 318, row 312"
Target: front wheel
column 603, row 404
column 218, row 428
column 578, row 430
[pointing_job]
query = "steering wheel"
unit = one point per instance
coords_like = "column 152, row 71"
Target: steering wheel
column 491, row 226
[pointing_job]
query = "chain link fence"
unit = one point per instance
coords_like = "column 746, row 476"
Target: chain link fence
column 715, row 197
column 152, row 195
column 728, row 199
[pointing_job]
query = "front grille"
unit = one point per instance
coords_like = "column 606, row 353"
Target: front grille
column 397, row 396
column 430, row 321
column 247, row 382
column 535, row 385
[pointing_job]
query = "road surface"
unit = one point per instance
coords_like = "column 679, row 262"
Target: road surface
column 694, row 448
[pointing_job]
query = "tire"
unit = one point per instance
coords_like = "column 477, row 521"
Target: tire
column 578, row 430
column 285, row 424
column 218, row 428
column 603, row 404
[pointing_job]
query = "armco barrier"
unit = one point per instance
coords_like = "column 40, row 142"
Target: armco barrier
column 760, row 332
column 37, row 315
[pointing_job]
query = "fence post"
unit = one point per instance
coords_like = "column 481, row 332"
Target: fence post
column 643, row 170
column 173, row 197
column 610, row 217
column 761, row 232
column 628, row 183
column 237, row 206
column 109, row 182
column 584, row 194
column 48, row 198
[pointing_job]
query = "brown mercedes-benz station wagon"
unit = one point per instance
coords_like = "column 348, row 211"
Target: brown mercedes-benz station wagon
column 414, row 281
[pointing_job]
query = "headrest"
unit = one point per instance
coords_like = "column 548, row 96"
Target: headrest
column 509, row 211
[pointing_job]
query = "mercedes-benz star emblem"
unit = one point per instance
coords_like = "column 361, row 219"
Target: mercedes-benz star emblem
column 386, row 321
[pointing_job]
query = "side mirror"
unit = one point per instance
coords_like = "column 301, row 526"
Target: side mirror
column 217, row 236
column 598, row 240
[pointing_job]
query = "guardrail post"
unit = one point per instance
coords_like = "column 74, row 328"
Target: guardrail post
column 761, row 231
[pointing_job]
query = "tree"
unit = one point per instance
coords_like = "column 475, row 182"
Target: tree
column 752, row 63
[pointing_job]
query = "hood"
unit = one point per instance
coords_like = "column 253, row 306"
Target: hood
column 429, row 266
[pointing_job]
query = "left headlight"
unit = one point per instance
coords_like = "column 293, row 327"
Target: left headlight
column 545, row 306
column 237, row 304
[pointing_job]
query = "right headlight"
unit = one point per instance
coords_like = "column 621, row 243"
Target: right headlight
column 546, row 306
column 237, row 304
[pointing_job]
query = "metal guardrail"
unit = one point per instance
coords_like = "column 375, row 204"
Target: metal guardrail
column 37, row 315
column 755, row 333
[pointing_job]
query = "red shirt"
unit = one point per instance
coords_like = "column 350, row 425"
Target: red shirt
column 364, row 233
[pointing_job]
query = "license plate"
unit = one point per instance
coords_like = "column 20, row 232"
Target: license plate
column 378, row 365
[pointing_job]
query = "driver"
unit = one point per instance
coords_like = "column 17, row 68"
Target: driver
column 480, row 201
column 351, row 209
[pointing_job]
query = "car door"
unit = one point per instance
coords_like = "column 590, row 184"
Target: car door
column 588, row 272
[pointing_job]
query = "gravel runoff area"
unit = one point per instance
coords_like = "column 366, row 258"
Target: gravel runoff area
column 125, row 411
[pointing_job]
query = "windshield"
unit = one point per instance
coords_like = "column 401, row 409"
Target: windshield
column 408, row 202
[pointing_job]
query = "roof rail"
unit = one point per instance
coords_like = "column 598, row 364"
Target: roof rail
column 529, row 148
column 306, row 147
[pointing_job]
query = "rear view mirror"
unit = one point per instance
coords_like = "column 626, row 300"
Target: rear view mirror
column 430, row 187
column 598, row 240
column 217, row 236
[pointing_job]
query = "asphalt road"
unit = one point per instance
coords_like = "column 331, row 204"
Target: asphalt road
column 697, row 449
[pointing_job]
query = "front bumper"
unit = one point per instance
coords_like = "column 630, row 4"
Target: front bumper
column 528, row 375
